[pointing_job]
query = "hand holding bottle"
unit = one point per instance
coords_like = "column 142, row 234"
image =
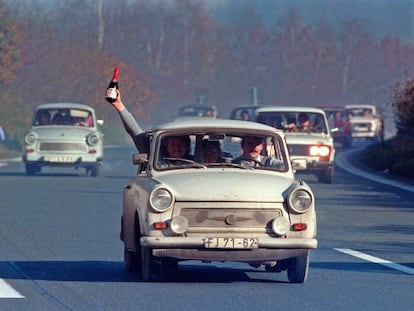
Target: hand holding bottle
column 111, row 94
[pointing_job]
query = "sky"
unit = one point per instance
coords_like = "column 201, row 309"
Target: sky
column 383, row 17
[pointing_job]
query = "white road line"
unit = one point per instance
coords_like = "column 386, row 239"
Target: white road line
column 376, row 260
column 341, row 161
column 6, row 291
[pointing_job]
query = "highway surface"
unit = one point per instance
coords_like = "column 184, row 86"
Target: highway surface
column 60, row 249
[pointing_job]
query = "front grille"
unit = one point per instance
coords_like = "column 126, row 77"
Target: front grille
column 79, row 147
column 229, row 218
column 301, row 150
column 361, row 127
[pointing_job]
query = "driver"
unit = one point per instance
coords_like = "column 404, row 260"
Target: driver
column 252, row 147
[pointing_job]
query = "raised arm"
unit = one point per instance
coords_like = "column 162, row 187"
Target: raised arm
column 130, row 124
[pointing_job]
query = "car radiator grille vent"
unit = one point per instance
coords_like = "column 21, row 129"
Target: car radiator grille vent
column 361, row 127
column 230, row 218
column 298, row 149
column 63, row 147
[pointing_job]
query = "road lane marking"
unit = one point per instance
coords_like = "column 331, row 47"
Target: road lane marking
column 342, row 162
column 6, row 291
column 376, row 260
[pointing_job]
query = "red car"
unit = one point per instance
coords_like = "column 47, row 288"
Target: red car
column 338, row 120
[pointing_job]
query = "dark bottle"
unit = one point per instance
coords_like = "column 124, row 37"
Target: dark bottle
column 110, row 94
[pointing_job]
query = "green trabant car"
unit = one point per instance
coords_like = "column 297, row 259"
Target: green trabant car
column 227, row 209
column 64, row 135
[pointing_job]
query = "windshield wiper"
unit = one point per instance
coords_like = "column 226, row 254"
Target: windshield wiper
column 191, row 162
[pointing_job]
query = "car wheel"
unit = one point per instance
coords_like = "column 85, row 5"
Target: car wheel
column 95, row 170
column 326, row 176
column 298, row 269
column 131, row 261
column 161, row 269
column 147, row 264
column 32, row 169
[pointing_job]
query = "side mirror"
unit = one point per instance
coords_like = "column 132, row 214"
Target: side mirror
column 139, row 158
column 299, row 164
column 334, row 130
column 100, row 122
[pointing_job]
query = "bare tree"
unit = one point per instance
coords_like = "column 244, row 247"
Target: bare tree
column 101, row 26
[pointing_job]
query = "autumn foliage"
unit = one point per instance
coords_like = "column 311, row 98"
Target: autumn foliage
column 169, row 51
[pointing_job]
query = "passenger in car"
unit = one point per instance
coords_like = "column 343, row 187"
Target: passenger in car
column 58, row 119
column 44, row 117
column 304, row 123
column 211, row 151
column 252, row 147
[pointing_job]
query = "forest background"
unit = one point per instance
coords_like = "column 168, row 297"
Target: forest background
column 170, row 52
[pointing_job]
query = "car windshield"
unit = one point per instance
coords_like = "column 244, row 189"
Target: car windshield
column 293, row 121
column 63, row 116
column 207, row 149
column 197, row 111
column 360, row 112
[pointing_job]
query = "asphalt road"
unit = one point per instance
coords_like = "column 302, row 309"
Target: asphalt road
column 60, row 249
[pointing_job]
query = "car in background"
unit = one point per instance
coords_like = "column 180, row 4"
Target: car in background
column 217, row 211
column 366, row 122
column 314, row 144
column 339, row 122
column 64, row 135
column 197, row 111
column 245, row 113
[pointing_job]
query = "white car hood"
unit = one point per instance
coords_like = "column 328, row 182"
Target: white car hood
column 61, row 132
column 307, row 139
column 226, row 185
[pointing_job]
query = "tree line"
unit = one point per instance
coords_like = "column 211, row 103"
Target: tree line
column 171, row 51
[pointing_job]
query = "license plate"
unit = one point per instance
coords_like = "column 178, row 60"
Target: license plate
column 360, row 128
column 60, row 159
column 241, row 243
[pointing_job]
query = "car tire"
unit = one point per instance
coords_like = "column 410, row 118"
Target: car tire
column 298, row 269
column 326, row 176
column 95, row 170
column 32, row 169
column 147, row 265
column 131, row 261
column 162, row 269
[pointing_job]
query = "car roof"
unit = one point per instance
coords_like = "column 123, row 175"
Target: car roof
column 289, row 109
column 63, row 105
column 331, row 107
column 217, row 124
column 360, row 106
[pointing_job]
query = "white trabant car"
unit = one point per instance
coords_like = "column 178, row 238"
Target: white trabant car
column 366, row 122
column 64, row 135
column 308, row 136
column 187, row 208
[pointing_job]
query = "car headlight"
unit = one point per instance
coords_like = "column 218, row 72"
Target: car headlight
column 179, row 224
column 280, row 226
column 300, row 200
column 30, row 138
column 161, row 199
column 321, row 151
column 93, row 139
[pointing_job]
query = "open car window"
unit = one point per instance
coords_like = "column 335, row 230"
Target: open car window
column 214, row 149
column 290, row 121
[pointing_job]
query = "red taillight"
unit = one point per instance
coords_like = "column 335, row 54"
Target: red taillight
column 92, row 151
column 299, row 227
column 160, row 225
column 29, row 150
